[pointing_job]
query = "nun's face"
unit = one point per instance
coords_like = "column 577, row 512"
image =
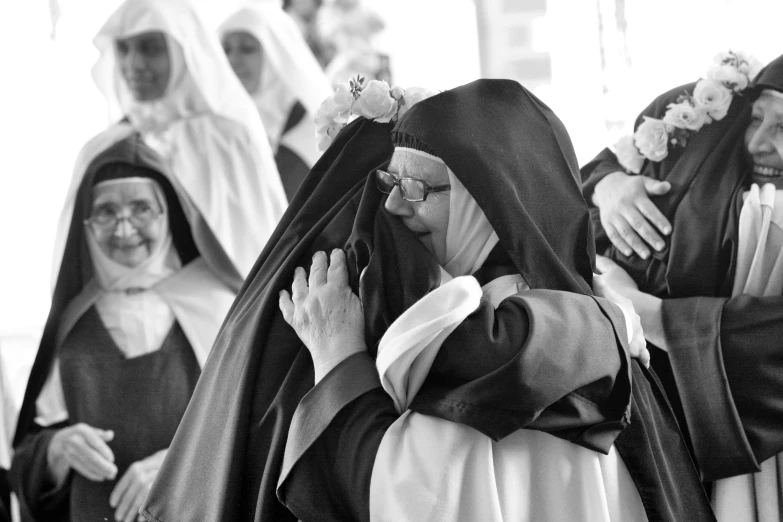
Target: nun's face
column 126, row 221
column 145, row 64
column 764, row 136
column 244, row 54
column 428, row 219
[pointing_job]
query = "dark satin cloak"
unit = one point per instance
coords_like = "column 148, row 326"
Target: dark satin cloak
column 226, row 459
column 724, row 369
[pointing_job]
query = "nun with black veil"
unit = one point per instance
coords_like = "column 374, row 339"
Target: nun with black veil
column 139, row 297
column 450, row 360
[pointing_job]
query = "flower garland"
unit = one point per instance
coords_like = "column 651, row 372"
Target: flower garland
column 728, row 75
column 376, row 101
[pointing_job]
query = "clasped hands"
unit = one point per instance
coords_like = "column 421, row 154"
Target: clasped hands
column 324, row 312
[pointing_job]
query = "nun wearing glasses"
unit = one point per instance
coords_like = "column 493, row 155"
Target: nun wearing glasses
column 140, row 294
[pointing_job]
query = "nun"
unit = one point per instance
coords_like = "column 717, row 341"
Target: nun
column 272, row 60
column 165, row 77
column 141, row 291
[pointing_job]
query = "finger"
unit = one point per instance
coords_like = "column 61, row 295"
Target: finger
column 119, row 490
column 630, row 237
column 642, row 227
column 338, row 268
column 655, row 187
column 125, row 508
column 318, row 270
column 90, row 463
column 93, row 438
column 286, row 306
column 617, row 240
column 135, row 506
column 299, row 288
column 654, row 216
column 107, row 435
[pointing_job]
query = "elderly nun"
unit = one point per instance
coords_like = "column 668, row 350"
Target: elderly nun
column 451, row 361
column 141, row 291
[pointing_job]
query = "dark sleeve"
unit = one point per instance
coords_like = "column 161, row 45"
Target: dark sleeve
column 552, row 361
column 727, row 360
column 332, row 443
column 39, row 499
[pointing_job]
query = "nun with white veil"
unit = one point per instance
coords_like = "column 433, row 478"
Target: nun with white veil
column 270, row 57
column 164, row 76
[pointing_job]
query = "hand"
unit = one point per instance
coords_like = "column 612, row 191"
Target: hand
column 614, row 276
column 328, row 317
column 82, row 448
column 637, row 345
column 626, row 212
column 132, row 489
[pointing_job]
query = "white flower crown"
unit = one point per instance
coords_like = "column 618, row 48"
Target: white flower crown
column 376, row 101
column 728, row 75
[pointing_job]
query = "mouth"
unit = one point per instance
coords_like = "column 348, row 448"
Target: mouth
column 767, row 172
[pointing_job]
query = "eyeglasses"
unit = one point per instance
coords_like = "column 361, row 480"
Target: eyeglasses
column 108, row 217
column 411, row 189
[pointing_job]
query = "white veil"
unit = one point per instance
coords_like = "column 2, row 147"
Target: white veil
column 289, row 72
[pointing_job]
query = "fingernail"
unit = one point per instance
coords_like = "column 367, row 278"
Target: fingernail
column 659, row 246
column 667, row 230
column 645, row 255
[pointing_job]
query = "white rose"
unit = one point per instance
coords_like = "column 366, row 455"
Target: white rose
column 684, row 116
column 413, row 96
column 651, row 139
column 343, row 101
column 628, row 155
column 728, row 75
column 748, row 64
column 375, row 102
column 397, row 92
column 713, row 98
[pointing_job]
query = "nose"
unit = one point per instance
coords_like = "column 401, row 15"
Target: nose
column 135, row 59
column 124, row 227
column 396, row 205
column 760, row 141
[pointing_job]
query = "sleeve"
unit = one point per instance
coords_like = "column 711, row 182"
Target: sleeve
column 552, row 361
column 727, row 363
column 332, row 444
column 39, row 499
column 524, row 375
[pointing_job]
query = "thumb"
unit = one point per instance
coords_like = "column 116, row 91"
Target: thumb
column 655, row 187
column 604, row 264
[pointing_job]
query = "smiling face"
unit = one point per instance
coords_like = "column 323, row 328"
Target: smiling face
column 244, row 53
column 123, row 241
column 764, row 135
column 145, row 64
column 428, row 219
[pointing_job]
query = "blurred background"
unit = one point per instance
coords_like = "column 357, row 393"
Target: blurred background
column 597, row 63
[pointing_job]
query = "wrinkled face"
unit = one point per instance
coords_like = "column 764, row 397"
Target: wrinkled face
column 244, row 54
column 139, row 226
column 428, row 219
column 145, row 64
column 764, row 136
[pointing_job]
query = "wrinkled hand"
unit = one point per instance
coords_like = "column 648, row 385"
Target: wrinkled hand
column 132, row 489
column 326, row 315
column 626, row 212
column 84, row 449
column 637, row 344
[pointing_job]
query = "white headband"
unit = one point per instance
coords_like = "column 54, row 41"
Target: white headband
column 420, row 153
